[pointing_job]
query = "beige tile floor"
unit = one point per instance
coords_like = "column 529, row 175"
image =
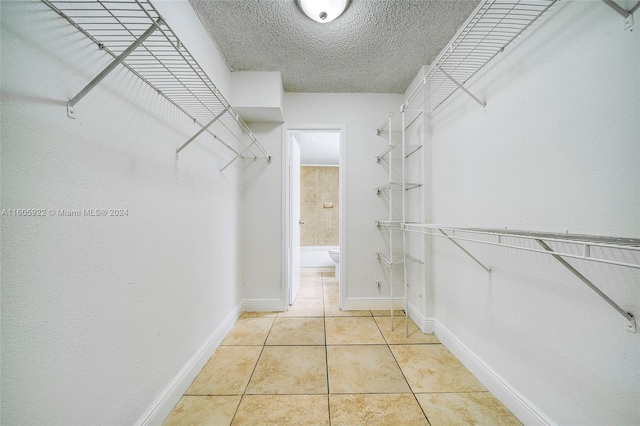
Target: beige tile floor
column 317, row 365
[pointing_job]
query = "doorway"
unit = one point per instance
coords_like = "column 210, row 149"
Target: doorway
column 314, row 225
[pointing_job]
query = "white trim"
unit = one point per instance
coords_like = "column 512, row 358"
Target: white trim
column 286, row 219
column 168, row 397
column 264, row 305
column 520, row 406
column 373, row 304
column 426, row 325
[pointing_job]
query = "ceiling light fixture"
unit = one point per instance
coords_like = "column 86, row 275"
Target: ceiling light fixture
column 323, row 10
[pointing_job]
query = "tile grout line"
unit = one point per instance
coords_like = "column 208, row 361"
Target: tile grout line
column 326, row 352
column 244, row 392
column 402, row 372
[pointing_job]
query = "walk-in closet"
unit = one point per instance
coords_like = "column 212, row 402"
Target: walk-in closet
column 340, row 212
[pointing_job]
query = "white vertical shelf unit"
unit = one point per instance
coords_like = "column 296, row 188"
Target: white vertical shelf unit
column 412, row 201
column 393, row 156
column 138, row 38
column 392, row 258
column 486, row 33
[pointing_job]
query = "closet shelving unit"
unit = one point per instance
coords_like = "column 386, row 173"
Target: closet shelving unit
column 392, row 258
column 394, row 156
column 558, row 245
column 138, row 38
column 488, row 31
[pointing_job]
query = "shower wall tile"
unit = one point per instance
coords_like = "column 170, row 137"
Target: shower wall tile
column 319, row 185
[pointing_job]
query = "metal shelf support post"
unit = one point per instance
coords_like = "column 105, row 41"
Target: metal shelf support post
column 117, row 61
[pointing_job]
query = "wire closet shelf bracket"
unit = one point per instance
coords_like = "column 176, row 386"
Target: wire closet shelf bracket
column 134, row 33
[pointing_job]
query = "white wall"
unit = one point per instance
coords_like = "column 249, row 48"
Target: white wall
column 100, row 314
column 262, row 224
column 557, row 150
column 362, row 114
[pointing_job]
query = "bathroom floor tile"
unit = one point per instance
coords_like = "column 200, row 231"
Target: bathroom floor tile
column 399, row 334
column 310, row 292
column 227, row 372
column 471, row 408
column 300, row 370
column 249, row 331
column 432, row 368
column 330, row 281
column 311, row 281
column 379, row 410
column 364, row 369
column 283, row 410
column 203, row 410
column 297, row 332
column 331, row 293
column 352, row 331
column 387, row 313
column 305, row 308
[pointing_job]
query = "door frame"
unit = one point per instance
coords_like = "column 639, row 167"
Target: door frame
column 286, row 206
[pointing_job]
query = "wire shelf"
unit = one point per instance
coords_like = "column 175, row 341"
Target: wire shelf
column 569, row 246
column 491, row 28
column 163, row 62
column 516, row 239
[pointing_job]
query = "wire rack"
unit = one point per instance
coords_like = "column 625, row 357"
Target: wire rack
column 163, row 62
column 606, row 250
column 492, row 27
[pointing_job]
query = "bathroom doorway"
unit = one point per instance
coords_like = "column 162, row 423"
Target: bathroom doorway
column 315, row 204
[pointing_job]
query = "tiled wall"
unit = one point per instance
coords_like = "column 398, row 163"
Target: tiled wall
column 319, row 188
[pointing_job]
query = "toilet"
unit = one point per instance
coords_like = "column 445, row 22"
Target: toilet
column 335, row 256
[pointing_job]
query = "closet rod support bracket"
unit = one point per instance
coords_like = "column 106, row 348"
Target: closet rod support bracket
column 631, row 322
column 627, row 15
column 464, row 89
column 482, row 265
column 117, row 61
column 199, row 132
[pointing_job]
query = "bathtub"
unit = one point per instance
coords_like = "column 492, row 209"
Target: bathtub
column 316, row 256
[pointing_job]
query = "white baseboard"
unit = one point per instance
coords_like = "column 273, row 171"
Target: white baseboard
column 263, row 305
column 520, row 406
column 163, row 404
column 375, row 304
column 425, row 324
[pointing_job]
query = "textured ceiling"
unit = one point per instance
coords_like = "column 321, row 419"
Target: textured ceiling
column 376, row 46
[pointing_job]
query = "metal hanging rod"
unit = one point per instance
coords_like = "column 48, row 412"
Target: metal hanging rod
column 136, row 36
column 490, row 28
column 515, row 238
